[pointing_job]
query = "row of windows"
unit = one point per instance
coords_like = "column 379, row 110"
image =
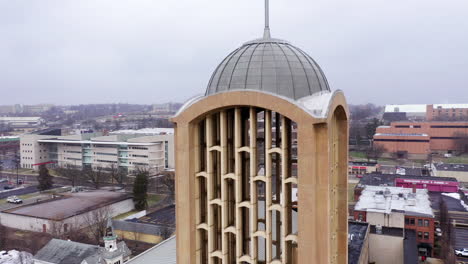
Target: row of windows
column 103, row 153
column 72, row 151
column 106, row 161
column 408, row 126
column 421, row 222
column 67, row 158
column 445, row 138
column 420, row 235
column 142, row 148
column 449, row 126
column 401, row 140
column 139, row 163
column 139, row 156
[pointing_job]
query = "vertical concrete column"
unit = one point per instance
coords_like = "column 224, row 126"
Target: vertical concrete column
column 310, row 156
column 224, row 170
column 209, row 191
column 268, row 196
column 285, row 193
column 185, row 178
column 238, row 180
column 253, row 187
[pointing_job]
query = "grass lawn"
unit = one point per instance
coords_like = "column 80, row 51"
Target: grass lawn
column 463, row 159
column 122, row 216
column 357, row 155
column 153, row 199
column 351, row 192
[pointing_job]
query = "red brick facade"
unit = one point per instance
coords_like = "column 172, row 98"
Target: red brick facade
column 420, row 137
column 424, row 227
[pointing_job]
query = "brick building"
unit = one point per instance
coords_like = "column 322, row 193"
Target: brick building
column 397, row 207
column 420, row 138
column 447, row 112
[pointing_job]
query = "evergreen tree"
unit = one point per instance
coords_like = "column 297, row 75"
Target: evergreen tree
column 140, row 190
column 44, row 179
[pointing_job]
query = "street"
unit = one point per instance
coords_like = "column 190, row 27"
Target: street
column 31, row 200
column 461, row 241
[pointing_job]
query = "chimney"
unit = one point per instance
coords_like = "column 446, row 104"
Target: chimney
column 414, row 188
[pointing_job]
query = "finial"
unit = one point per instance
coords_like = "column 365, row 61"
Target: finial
column 266, row 33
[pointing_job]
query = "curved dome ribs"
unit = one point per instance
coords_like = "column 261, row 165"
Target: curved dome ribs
column 271, row 65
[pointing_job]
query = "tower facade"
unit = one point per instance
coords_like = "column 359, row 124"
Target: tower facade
column 261, row 162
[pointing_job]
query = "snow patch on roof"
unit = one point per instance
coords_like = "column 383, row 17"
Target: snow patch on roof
column 386, row 199
column 15, row 257
column 317, row 104
column 409, row 108
column 450, row 106
column 457, row 196
column 146, row 131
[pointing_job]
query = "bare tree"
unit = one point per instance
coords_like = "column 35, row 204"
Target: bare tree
column 96, row 221
column 167, row 179
column 95, row 176
column 70, row 172
column 116, row 173
column 461, row 142
column 165, row 232
column 374, row 152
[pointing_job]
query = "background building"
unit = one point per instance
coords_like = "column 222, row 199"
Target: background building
column 128, row 150
column 429, row 112
column 421, row 138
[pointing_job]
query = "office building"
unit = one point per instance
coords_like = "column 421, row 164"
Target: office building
column 128, row 150
column 418, row 139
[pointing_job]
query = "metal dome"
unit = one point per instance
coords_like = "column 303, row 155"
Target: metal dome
column 269, row 65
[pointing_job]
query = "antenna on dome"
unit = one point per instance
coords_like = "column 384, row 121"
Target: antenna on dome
column 266, row 33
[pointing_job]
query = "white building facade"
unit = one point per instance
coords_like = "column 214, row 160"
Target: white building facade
column 124, row 151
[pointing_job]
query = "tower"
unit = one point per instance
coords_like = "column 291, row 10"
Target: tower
column 261, row 162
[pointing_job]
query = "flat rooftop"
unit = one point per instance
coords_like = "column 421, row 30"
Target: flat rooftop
column 390, row 199
column 162, row 217
column 357, row 232
column 69, row 205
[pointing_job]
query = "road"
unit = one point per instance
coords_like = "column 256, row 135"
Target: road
column 17, row 192
column 461, row 241
column 31, row 200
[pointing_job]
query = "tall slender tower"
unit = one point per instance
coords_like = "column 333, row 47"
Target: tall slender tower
column 261, row 162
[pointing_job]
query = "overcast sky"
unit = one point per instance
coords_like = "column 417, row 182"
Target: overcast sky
column 150, row 51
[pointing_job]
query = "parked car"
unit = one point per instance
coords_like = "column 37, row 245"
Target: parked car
column 14, row 200
column 462, row 252
column 8, row 187
column 3, row 180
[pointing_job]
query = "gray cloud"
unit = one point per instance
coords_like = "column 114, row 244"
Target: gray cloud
column 146, row 51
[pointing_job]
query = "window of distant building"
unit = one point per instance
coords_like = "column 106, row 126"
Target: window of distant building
column 420, row 222
column 412, row 221
column 426, row 222
column 420, row 235
column 407, row 221
column 426, row 235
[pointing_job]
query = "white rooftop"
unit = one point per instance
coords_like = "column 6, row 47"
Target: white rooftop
column 449, row 106
column 382, row 199
column 409, row 108
column 146, row 131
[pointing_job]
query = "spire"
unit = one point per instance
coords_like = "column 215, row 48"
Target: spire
column 266, row 33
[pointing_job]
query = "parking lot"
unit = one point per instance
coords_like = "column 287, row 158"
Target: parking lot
column 461, row 241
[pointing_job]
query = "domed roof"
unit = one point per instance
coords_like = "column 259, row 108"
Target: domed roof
column 269, row 65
